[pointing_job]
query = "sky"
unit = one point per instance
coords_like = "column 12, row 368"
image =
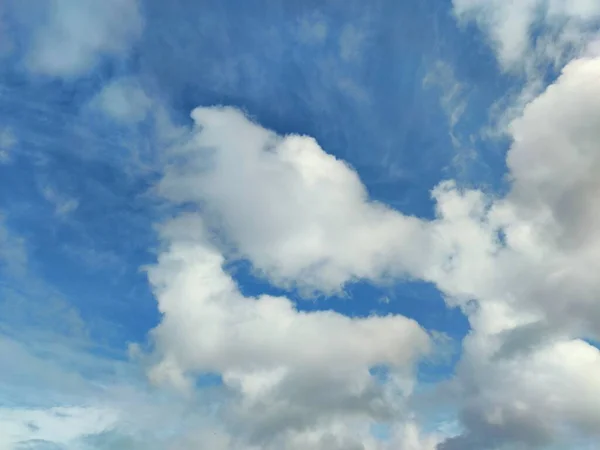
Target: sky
column 299, row 225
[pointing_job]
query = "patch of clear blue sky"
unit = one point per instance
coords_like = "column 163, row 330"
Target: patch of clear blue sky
column 368, row 105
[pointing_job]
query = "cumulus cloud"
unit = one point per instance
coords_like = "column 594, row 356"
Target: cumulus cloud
column 537, row 399
column 548, row 219
column 57, row 394
column 290, row 379
column 76, row 34
column 58, row 389
column 520, row 266
column 527, row 260
column 292, row 371
column 301, row 216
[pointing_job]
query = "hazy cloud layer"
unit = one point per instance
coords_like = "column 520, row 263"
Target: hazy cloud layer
column 74, row 35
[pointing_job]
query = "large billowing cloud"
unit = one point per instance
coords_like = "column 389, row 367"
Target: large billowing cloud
column 529, row 262
column 536, row 399
column 290, row 372
column 521, row 267
column 301, row 216
column 536, row 248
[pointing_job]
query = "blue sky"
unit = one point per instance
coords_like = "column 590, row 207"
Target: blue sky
column 299, row 225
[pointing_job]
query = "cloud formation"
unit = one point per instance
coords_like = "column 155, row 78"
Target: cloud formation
column 521, row 266
column 293, row 371
column 75, row 35
column 526, row 263
column 123, row 100
column 301, row 216
column 530, row 33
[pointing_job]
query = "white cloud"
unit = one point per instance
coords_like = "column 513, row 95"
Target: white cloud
column 93, row 414
column 296, row 380
column 44, row 394
column 538, row 399
column 292, row 380
column 301, row 216
column 532, row 39
column 549, row 219
column 76, row 34
column 54, row 426
column 123, row 100
column 507, row 23
column 58, row 393
column 521, row 267
column 529, row 33
column 350, row 435
column 528, row 260
column 291, row 371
